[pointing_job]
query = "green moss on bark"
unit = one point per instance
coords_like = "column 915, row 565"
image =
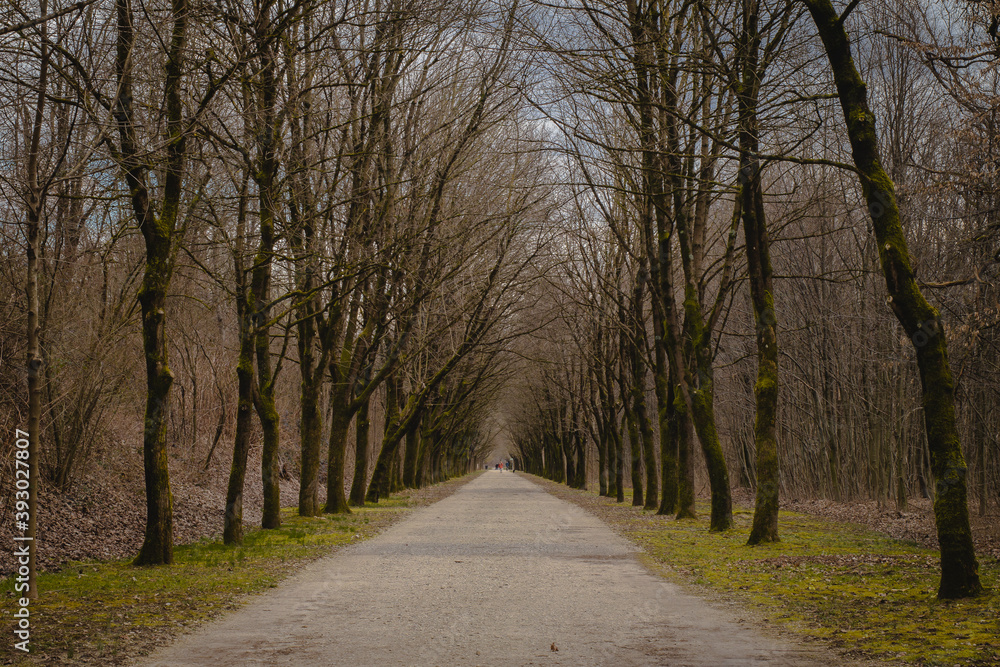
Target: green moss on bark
column 959, row 567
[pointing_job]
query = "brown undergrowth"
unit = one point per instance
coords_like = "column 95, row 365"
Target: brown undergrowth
column 863, row 593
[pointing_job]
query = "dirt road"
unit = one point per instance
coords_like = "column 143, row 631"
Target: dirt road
column 500, row 573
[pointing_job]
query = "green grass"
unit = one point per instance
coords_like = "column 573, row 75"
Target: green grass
column 860, row 591
column 105, row 612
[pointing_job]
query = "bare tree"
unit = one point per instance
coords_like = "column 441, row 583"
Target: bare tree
column 920, row 320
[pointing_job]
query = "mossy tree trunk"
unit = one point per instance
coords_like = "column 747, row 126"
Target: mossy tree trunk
column 396, row 472
column 921, row 321
column 635, row 449
column 232, row 531
column 614, row 444
column 687, row 344
column 701, row 384
column 648, row 456
column 751, row 194
column 302, row 238
column 645, row 26
column 267, row 132
column 602, row 460
column 695, row 356
column 160, row 235
column 380, row 476
column 420, row 474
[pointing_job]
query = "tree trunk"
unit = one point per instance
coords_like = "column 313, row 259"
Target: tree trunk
column 34, row 367
column 270, row 424
column 420, row 474
column 599, row 401
column 267, row 169
column 303, row 241
column 702, row 404
column 648, row 453
column 232, row 525
column 157, row 547
column 613, row 447
column 611, row 423
column 159, row 236
column 36, row 196
column 379, row 485
column 414, row 443
column 668, row 445
column 602, row 464
column 627, row 381
column 361, row 430
column 310, row 383
column 396, row 472
column 635, row 448
column 765, row 517
column 381, row 477
column 685, row 460
column 980, row 433
column 232, row 531
column 570, row 467
column 620, row 461
column 340, row 421
column 920, row 320
column 310, row 432
column 580, row 479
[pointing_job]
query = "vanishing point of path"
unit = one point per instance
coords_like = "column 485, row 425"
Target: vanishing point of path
column 499, row 573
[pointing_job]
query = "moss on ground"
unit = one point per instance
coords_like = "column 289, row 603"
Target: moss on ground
column 104, row 613
column 862, row 592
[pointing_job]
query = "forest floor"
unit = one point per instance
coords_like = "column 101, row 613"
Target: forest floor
column 104, row 517
column 830, row 579
column 915, row 523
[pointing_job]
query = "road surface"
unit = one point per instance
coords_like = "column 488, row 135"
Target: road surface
column 499, row 573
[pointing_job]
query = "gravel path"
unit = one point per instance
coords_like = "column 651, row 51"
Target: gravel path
column 500, row 573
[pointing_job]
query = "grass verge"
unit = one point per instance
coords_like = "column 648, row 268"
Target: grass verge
column 105, row 613
column 861, row 592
